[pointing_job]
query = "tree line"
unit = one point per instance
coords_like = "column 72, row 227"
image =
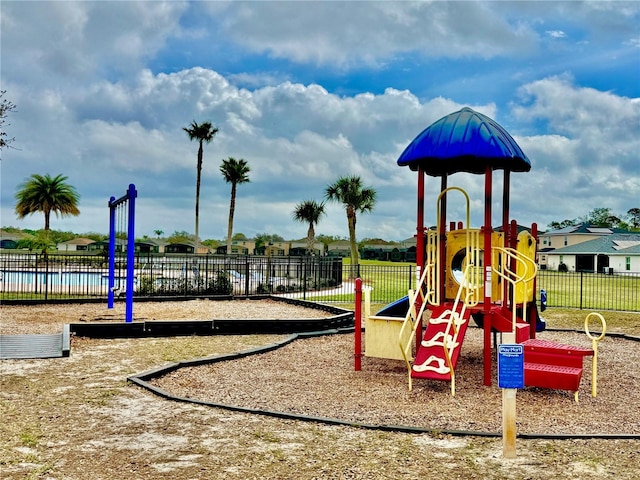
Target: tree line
column 603, row 217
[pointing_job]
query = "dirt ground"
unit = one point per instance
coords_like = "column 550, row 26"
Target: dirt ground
column 79, row 418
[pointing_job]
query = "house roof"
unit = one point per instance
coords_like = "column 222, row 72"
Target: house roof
column 4, row 235
column 586, row 229
column 339, row 243
column 614, row 244
column 78, row 241
column 152, row 241
column 382, row 246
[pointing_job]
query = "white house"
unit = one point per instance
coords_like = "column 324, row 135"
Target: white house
column 614, row 253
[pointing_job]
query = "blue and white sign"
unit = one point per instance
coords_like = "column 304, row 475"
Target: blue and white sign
column 511, row 365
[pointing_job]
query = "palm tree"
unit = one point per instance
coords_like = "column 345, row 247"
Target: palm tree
column 309, row 212
column 203, row 133
column 355, row 198
column 234, row 172
column 47, row 194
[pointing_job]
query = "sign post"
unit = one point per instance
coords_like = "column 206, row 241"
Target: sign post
column 510, row 378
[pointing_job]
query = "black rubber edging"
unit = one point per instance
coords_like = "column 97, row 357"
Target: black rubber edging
column 340, row 318
column 141, row 380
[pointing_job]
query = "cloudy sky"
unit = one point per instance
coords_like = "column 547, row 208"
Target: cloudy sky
column 310, row 91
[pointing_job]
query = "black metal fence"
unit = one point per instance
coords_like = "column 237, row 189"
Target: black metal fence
column 321, row 279
column 57, row 276
column 597, row 291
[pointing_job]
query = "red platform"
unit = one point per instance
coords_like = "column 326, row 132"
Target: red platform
column 553, row 365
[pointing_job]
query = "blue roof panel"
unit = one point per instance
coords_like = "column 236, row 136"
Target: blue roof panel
column 464, row 141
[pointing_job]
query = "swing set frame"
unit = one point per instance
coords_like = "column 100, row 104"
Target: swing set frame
column 128, row 202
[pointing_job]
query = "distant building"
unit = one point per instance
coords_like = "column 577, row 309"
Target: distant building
column 9, row 240
column 180, row 248
column 103, row 245
column 150, row 246
column 381, row 251
column 238, row 247
column 79, row 244
column 339, row 248
column 613, row 253
column 568, row 236
column 553, row 240
column 8, row 243
column 299, row 248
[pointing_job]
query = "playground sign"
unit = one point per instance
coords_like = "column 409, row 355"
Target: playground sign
column 511, row 365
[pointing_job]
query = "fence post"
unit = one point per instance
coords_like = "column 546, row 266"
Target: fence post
column 304, row 279
column 46, row 274
column 358, row 326
column 36, row 262
column 581, row 286
column 247, row 271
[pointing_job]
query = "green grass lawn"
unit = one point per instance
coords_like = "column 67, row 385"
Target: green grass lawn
column 581, row 292
column 588, row 290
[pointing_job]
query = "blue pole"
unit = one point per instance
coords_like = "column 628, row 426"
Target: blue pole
column 131, row 247
column 112, row 250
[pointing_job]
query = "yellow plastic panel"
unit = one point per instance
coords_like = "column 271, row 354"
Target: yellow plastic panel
column 527, row 248
column 382, row 337
column 456, row 261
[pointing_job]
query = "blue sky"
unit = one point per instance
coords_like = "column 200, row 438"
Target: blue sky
column 310, row 91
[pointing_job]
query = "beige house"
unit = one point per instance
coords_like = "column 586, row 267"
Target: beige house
column 617, row 253
column 568, row 237
column 9, row 240
column 340, row 248
column 79, row 244
column 300, row 248
column 238, row 247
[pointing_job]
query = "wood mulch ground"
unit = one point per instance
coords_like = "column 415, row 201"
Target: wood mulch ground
column 78, row 418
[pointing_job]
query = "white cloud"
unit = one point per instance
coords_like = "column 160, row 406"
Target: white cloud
column 298, row 139
column 589, row 158
column 94, row 104
column 76, row 41
column 606, row 124
column 556, row 33
column 368, row 33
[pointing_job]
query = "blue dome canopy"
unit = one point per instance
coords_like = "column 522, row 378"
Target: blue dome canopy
column 464, row 141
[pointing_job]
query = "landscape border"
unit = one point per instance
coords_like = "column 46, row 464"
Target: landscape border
column 142, row 380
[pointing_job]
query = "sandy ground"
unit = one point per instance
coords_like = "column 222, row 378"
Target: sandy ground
column 78, row 418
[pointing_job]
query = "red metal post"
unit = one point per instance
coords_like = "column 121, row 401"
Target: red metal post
column 487, row 275
column 358, row 326
column 420, row 225
column 505, row 205
column 508, row 237
column 442, row 260
column 533, row 322
column 420, row 248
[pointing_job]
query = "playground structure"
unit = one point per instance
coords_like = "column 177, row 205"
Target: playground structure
column 462, row 272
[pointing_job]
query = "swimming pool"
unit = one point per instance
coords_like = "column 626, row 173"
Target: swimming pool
column 96, row 282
